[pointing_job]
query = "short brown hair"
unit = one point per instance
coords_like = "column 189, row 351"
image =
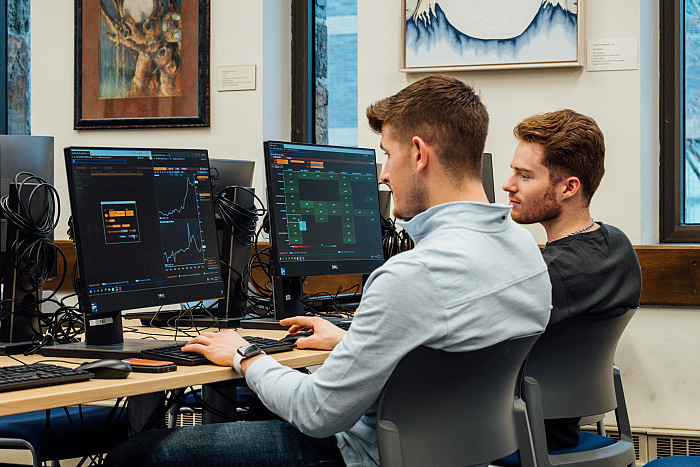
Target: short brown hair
column 573, row 146
column 444, row 112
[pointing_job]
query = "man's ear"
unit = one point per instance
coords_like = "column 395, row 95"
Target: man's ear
column 570, row 187
column 421, row 152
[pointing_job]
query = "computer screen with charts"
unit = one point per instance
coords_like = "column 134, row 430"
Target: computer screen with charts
column 323, row 204
column 144, row 228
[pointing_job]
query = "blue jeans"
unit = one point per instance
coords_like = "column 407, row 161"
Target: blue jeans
column 269, row 442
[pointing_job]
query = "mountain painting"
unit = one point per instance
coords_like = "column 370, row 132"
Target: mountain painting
column 491, row 33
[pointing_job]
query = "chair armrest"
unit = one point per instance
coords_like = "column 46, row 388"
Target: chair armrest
column 527, row 455
column 623, row 422
column 533, row 400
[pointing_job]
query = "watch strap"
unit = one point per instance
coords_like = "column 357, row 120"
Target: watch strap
column 238, row 358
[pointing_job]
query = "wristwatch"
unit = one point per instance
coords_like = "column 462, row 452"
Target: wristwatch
column 246, row 351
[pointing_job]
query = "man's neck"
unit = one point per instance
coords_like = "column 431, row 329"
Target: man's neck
column 568, row 223
column 470, row 191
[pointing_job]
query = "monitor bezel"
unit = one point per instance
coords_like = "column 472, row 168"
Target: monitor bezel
column 129, row 300
column 313, row 267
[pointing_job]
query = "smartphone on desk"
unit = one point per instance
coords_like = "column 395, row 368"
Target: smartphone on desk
column 144, row 365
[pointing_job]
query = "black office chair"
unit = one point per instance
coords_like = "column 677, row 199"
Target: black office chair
column 81, row 432
column 569, row 374
column 473, row 415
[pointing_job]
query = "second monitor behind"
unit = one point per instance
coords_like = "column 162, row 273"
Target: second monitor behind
column 487, row 177
column 227, row 172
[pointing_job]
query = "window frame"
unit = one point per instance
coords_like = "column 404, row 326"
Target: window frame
column 672, row 125
column 303, row 114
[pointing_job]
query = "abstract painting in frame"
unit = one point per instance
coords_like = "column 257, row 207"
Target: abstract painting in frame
column 141, row 63
column 442, row 35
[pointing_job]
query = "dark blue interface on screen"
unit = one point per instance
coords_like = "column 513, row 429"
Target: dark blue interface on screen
column 144, row 225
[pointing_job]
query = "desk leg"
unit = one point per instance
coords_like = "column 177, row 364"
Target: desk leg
column 222, row 398
column 141, row 409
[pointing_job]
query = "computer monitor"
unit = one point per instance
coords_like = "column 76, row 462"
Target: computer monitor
column 145, row 236
column 19, row 328
column 323, row 205
column 487, row 177
column 227, row 172
column 23, row 153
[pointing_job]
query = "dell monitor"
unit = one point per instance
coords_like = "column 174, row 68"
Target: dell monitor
column 145, row 236
column 323, row 205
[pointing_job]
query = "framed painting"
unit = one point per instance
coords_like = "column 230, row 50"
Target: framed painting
column 442, row 35
column 141, row 63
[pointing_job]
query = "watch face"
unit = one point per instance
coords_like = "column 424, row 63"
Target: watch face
column 249, row 351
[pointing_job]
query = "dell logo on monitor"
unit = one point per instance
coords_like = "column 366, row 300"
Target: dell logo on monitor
column 334, row 266
column 161, row 295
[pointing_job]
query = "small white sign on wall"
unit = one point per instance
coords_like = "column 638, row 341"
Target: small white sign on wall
column 236, row 78
column 612, row 54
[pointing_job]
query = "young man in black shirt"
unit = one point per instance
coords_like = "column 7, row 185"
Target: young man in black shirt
column 593, row 267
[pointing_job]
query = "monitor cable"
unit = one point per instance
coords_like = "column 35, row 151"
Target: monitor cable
column 394, row 240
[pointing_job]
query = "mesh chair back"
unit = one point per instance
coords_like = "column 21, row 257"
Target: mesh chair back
column 573, row 362
column 447, row 408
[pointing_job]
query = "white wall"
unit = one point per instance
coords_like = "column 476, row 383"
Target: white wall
column 240, row 120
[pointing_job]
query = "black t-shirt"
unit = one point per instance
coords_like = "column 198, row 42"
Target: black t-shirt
column 593, row 274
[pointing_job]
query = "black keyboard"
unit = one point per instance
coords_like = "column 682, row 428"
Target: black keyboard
column 36, row 375
column 175, row 354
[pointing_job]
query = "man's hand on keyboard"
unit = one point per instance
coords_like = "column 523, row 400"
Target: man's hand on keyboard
column 325, row 337
column 218, row 347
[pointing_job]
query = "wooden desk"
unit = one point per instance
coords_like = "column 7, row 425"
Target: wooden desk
column 61, row 395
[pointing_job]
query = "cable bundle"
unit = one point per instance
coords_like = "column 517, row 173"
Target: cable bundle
column 33, row 253
column 242, row 220
column 394, row 241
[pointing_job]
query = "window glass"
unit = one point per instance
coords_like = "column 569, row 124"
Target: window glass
column 17, row 101
column 336, row 72
column 691, row 97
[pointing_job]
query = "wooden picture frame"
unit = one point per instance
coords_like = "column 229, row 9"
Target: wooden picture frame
column 141, row 67
column 454, row 35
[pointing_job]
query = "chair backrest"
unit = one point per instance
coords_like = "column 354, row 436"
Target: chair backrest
column 573, row 364
column 452, row 408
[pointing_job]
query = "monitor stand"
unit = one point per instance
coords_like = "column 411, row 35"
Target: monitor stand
column 104, row 339
column 286, row 295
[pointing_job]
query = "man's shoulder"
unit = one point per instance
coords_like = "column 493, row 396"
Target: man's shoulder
column 607, row 246
column 615, row 232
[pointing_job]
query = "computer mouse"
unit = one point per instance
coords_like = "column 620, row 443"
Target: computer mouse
column 107, row 368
